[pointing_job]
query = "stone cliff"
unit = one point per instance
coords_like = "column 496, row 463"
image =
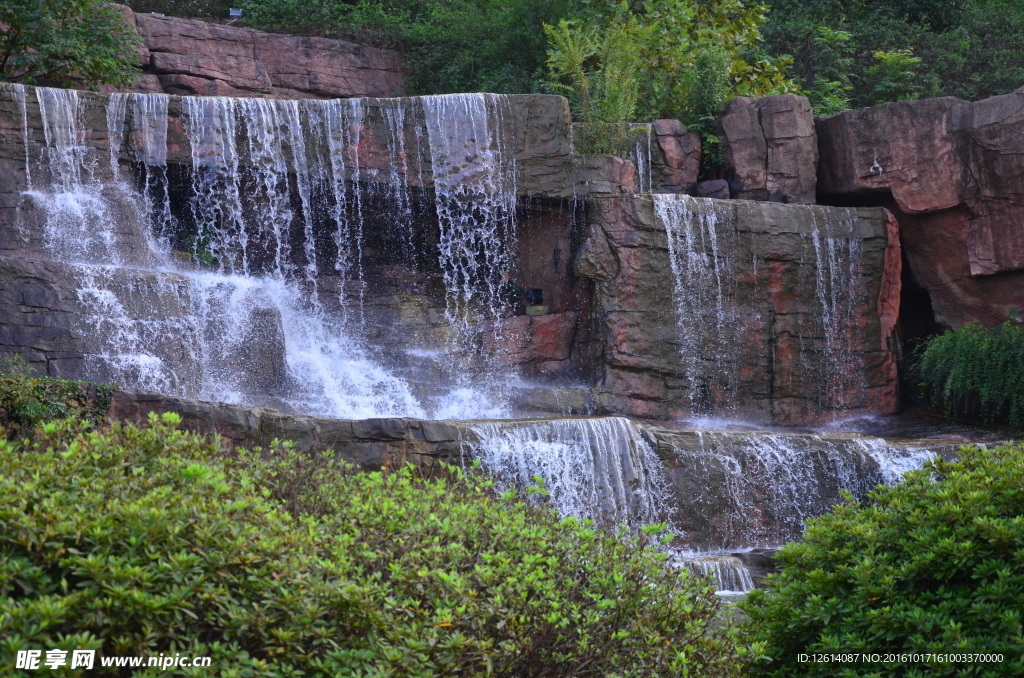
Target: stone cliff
column 190, row 56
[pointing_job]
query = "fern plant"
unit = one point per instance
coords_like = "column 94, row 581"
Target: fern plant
column 976, row 371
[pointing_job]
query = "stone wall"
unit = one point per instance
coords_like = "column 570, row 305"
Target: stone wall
column 758, row 346
column 953, row 173
column 190, row 56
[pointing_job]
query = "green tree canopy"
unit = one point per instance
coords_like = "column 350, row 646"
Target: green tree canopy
column 83, row 42
column 688, row 56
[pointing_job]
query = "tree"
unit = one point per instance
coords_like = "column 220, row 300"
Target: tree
column 84, row 42
column 676, row 43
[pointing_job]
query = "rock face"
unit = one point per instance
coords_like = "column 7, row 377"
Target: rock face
column 188, row 56
column 370, row 443
column 675, row 161
column 770, row 148
column 763, row 311
column 952, row 173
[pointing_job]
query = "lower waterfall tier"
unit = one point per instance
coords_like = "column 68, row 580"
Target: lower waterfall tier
column 720, row 491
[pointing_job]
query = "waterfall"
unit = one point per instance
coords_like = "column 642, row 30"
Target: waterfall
column 475, row 195
column 758, row 488
column 838, row 272
column 728, row 573
column 598, row 468
column 18, row 90
column 703, row 279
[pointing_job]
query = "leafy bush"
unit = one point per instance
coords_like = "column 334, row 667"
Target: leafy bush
column 933, row 565
column 448, row 45
column 669, row 40
column 27, row 401
column 83, row 42
column 976, row 371
column 217, row 9
column 140, row 541
column 967, row 48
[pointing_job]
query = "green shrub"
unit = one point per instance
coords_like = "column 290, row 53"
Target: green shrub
column 967, row 48
column 141, row 541
column 976, row 371
column 448, row 45
column 933, row 565
column 217, row 9
column 27, row 401
column 72, row 42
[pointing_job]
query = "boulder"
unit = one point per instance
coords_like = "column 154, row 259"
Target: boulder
column 675, row 160
column 193, row 57
column 743, row 316
column 714, row 188
column 953, row 173
column 770, row 148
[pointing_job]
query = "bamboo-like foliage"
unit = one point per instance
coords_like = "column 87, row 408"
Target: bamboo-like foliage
column 979, row 371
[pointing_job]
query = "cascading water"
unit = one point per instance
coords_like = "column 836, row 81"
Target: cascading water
column 769, row 484
column 838, row 258
column 703, row 276
column 270, row 182
column 728, row 573
column 597, row 468
column 475, row 195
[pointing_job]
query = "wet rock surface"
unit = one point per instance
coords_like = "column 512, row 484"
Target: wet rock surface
column 755, row 282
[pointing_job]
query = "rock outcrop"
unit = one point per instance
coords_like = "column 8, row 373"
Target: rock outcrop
column 953, row 173
column 190, row 56
column 778, row 313
column 770, row 148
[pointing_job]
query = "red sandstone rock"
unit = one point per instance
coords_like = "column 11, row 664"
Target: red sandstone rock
column 522, row 340
column 676, row 160
column 245, row 62
column 955, row 170
column 901, row 147
column 770, row 148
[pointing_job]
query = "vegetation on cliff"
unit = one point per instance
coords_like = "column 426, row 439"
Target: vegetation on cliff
column 855, row 53
column 976, row 371
column 932, row 565
column 26, row 401
column 146, row 540
column 82, row 43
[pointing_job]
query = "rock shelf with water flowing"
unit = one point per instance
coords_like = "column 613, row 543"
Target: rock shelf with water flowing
column 439, row 278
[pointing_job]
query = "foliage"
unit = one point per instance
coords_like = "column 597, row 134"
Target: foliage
column 974, row 370
column 672, row 37
column 83, row 42
column 967, row 48
column 217, row 9
column 931, row 565
column 892, row 78
column 27, row 401
column 279, row 563
column 448, row 45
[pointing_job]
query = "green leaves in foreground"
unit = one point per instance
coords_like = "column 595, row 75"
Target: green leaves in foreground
column 934, row 565
column 141, row 541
